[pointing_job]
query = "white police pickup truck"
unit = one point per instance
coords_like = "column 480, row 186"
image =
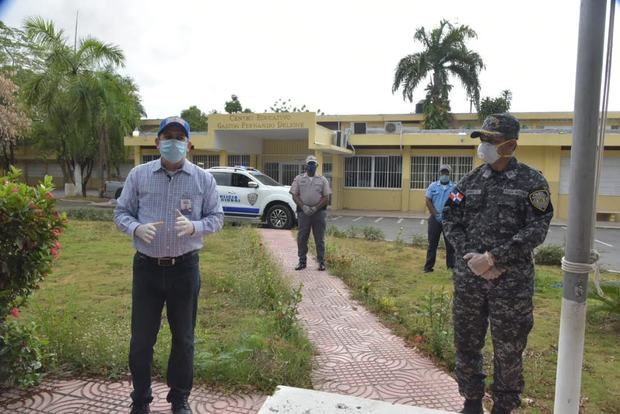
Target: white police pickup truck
column 249, row 195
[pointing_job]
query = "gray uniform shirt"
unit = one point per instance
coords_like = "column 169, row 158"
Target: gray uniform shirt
column 310, row 189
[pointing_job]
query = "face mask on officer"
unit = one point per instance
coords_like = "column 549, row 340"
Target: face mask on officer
column 488, row 153
column 444, row 178
column 311, row 168
column 172, row 150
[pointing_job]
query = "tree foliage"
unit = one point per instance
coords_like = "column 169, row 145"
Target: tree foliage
column 281, row 105
column 445, row 53
column 82, row 107
column 13, row 122
column 234, row 106
column 198, row 120
column 497, row 105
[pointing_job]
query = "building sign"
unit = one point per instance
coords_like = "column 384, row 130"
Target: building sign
column 259, row 121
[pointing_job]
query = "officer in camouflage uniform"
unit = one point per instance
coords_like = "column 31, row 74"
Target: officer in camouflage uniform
column 494, row 218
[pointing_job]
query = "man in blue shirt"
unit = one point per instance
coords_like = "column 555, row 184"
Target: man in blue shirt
column 167, row 206
column 436, row 197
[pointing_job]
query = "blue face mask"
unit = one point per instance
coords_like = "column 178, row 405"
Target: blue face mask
column 444, row 179
column 173, row 150
column 311, row 168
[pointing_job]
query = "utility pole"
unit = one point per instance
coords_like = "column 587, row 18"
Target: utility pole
column 77, row 12
column 581, row 205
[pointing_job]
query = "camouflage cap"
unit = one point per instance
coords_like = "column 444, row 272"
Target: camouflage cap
column 498, row 125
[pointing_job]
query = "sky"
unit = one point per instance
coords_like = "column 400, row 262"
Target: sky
column 338, row 56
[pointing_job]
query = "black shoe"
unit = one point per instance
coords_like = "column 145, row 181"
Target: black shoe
column 498, row 410
column 142, row 408
column 300, row 266
column 428, row 270
column 321, row 266
column 472, row 407
column 181, row 406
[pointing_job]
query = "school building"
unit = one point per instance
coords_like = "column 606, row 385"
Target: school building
column 384, row 161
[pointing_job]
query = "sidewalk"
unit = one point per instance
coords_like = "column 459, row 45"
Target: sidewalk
column 355, row 356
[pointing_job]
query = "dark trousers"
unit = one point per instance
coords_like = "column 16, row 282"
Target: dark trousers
column 317, row 223
column 435, row 229
column 177, row 286
column 511, row 319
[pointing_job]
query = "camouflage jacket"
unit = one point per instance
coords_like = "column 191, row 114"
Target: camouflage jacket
column 504, row 212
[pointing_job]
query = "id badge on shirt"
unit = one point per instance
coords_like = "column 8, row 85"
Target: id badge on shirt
column 186, row 205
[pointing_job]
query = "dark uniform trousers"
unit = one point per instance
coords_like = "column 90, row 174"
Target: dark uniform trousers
column 435, row 230
column 317, row 222
column 509, row 311
column 153, row 285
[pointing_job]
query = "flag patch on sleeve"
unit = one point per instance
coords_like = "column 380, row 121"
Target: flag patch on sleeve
column 456, row 197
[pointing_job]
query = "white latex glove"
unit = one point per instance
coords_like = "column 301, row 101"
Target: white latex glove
column 183, row 226
column 493, row 273
column 147, row 231
column 479, row 263
column 308, row 211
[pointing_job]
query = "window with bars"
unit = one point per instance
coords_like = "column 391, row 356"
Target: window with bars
column 272, row 169
column 206, row 161
column 373, row 171
column 425, row 169
column 149, row 157
column 327, row 172
column 242, row 160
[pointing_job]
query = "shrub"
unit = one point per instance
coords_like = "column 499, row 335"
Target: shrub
column 373, row 233
column 334, row 231
column 419, row 241
column 550, row 254
column 29, row 238
column 90, row 214
column 29, row 242
column 21, row 354
column 610, row 301
column 435, row 315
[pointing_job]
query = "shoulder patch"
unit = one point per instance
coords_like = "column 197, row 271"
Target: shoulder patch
column 456, row 197
column 539, row 199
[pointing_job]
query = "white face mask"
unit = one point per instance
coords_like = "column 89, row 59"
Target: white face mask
column 487, row 152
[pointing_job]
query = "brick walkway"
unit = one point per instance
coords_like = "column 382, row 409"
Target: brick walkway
column 356, row 355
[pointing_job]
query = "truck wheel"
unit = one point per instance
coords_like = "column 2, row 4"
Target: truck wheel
column 279, row 216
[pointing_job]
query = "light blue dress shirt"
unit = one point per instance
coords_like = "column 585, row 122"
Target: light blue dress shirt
column 438, row 193
column 151, row 194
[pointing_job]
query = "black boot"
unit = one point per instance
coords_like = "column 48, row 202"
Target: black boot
column 472, row 407
column 142, row 408
column 301, row 265
column 322, row 266
column 181, row 406
column 499, row 410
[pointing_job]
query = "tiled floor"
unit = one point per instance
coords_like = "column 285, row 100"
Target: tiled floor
column 356, row 355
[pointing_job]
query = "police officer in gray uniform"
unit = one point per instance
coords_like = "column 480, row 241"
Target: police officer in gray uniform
column 311, row 194
column 494, row 218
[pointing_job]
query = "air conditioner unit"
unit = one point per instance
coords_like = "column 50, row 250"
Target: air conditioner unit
column 393, row 127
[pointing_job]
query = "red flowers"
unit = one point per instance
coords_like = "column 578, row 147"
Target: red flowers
column 49, row 196
column 15, row 312
column 418, row 338
column 55, row 248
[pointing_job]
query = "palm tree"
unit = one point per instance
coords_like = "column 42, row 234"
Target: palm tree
column 445, row 53
column 67, row 96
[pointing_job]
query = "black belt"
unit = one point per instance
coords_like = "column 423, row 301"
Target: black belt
column 168, row 261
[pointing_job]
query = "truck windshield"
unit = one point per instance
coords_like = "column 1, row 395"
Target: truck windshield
column 265, row 179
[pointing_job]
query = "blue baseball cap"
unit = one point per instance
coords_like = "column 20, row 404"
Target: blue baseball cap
column 174, row 120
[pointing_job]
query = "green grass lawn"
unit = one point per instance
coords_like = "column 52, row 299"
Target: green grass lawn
column 245, row 334
column 388, row 278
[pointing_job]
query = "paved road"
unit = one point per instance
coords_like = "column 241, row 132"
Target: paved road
column 607, row 240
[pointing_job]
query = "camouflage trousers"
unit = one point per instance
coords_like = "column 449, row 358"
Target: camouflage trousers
column 476, row 304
